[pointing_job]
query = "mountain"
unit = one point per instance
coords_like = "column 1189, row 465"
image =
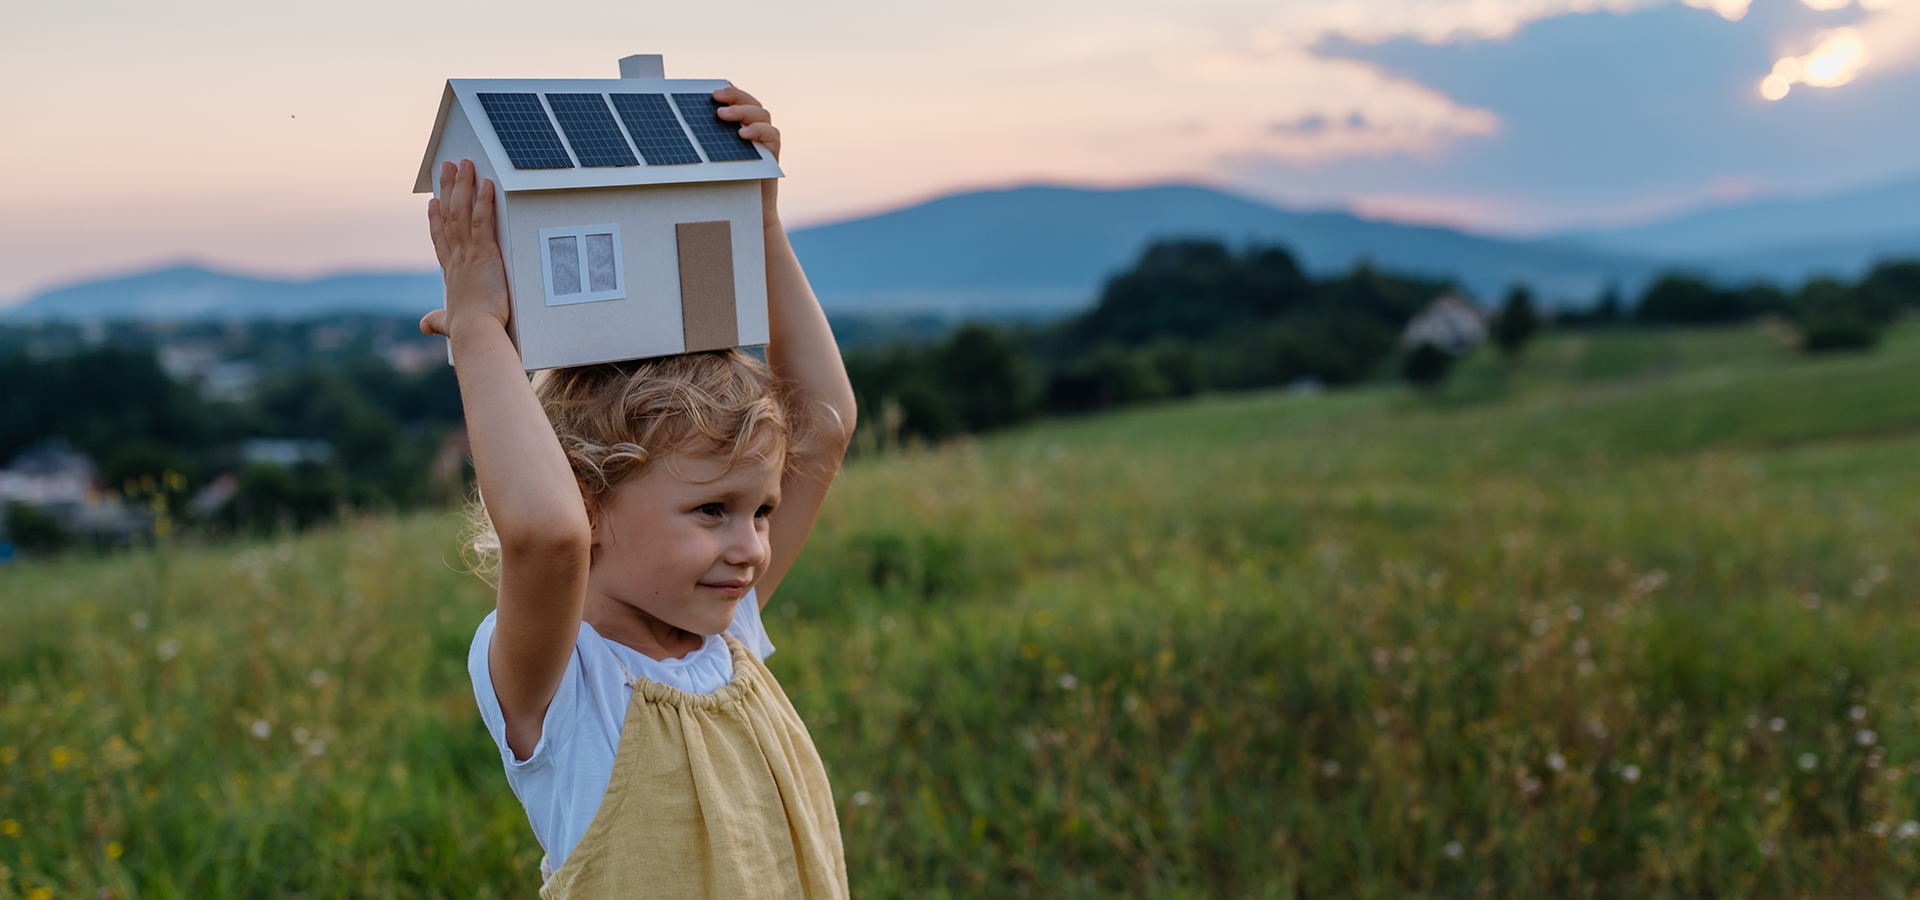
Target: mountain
column 1823, row 232
column 1052, row 247
column 192, row 292
column 1046, row 250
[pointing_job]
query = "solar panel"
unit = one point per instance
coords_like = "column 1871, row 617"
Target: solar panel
column 590, row 130
column 720, row 138
column 654, row 129
column 523, row 128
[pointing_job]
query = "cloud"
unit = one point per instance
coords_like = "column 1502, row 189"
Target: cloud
column 1886, row 38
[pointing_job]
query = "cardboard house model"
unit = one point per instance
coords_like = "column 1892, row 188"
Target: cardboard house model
column 628, row 211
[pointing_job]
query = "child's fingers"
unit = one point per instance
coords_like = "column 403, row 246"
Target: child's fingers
column 733, row 96
column 435, row 231
column 764, row 132
column 434, row 323
column 458, row 199
column 482, row 223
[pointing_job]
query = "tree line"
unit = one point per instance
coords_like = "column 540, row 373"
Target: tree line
column 1194, row 315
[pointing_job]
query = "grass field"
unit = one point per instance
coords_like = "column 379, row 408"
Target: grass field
column 1633, row 619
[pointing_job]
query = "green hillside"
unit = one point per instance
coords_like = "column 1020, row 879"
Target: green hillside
column 1631, row 619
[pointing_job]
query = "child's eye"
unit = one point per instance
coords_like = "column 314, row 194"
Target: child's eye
column 763, row 512
column 711, row 509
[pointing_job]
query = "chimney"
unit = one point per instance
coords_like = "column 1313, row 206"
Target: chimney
column 643, row 65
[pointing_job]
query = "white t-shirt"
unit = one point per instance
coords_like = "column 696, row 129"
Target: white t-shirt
column 562, row 782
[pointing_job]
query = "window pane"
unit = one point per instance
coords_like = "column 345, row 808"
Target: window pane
column 564, row 256
column 600, row 262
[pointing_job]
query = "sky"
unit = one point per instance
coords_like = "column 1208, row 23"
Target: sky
column 282, row 139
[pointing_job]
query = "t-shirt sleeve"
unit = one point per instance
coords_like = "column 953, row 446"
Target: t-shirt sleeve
column 748, row 628
column 563, row 709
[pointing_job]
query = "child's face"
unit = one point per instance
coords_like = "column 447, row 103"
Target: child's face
column 684, row 542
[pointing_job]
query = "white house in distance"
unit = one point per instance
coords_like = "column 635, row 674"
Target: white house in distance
column 629, row 212
column 1451, row 323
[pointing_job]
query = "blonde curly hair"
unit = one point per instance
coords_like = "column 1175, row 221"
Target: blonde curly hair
column 615, row 419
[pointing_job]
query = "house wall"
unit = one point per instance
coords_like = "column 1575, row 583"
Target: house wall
column 647, row 322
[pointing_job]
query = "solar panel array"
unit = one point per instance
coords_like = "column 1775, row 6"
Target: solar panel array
column 590, row 130
column 655, row 129
column 720, row 138
column 524, row 131
column 522, row 124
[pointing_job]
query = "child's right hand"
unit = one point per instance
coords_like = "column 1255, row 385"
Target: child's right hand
column 462, row 222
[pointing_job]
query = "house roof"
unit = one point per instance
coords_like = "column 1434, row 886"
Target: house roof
column 597, row 132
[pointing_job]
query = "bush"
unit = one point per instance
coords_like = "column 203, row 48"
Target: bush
column 1427, row 366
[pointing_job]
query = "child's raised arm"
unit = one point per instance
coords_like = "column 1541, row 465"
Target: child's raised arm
column 802, row 353
column 529, row 488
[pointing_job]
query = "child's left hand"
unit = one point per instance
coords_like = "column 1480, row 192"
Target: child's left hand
column 756, row 125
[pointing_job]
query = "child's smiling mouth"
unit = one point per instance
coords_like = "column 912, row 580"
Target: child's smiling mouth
column 732, row 588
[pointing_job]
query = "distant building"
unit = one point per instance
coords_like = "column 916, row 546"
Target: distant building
column 200, row 363
column 54, row 477
column 49, row 475
column 1451, row 323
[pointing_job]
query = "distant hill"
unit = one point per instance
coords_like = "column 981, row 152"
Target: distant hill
column 190, row 292
column 1029, row 246
column 1819, row 231
column 1044, row 251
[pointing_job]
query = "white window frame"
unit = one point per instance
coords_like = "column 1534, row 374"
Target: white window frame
column 580, row 233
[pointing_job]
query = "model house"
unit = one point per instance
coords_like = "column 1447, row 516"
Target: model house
column 629, row 212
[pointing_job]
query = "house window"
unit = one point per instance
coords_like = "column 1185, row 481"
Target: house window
column 582, row 264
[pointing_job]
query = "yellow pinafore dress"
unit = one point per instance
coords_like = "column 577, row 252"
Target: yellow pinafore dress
column 712, row 795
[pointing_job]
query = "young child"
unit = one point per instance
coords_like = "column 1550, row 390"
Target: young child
column 643, row 513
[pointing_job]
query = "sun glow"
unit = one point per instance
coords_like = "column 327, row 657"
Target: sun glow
column 1834, row 62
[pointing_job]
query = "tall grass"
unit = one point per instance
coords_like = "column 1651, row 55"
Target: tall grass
column 1630, row 619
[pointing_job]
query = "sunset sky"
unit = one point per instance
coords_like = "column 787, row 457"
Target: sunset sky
column 283, row 139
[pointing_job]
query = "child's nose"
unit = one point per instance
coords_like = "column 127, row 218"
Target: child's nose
column 744, row 546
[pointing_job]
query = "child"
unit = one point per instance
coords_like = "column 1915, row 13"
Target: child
column 645, row 512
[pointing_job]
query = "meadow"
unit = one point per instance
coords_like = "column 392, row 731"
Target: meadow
column 1630, row 618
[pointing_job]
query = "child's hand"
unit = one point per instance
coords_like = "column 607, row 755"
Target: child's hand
column 461, row 221
column 756, row 125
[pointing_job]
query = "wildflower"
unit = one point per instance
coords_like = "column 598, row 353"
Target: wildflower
column 1529, row 785
column 1584, row 667
column 168, row 649
column 1382, row 658
column 886, row 623
column 9, row 827
column 1772, row 795
column 114, row 849
column 1587, row 835
column 1878, row 829
column 1808, row 761
column 862, row 798
column 1408, row 654
column 1907, row 830
column 1453, row 850
column 140, row 621
column 1574, row 613
column 1810, row 600
column 261, row 728
column 1865, row 737
column 1068, row 682
column 1766, row 848
column 1776, row 724
column 316, row 746
column 8, row 754
column 317, row 677
column 1858, row 714
column 300, row 735
column 1630, row 774
column 1556, row 762
column 1753, row 721
column 1330, row 768
column 60, row 756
